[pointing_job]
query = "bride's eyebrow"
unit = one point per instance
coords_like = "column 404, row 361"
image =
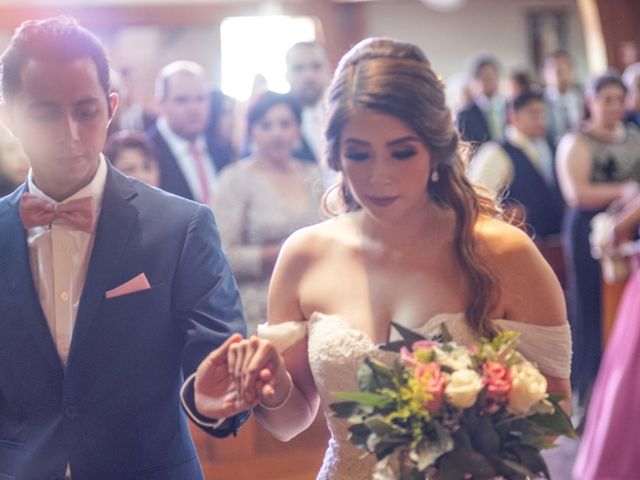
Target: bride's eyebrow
column 397, row 141
column 356, row 142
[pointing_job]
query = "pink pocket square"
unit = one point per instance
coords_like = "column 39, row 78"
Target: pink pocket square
column 136, row 284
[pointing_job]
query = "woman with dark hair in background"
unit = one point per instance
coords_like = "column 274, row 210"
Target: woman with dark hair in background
column 412, row 242
column 260, row 200
column 132, row 153
column 597, row 166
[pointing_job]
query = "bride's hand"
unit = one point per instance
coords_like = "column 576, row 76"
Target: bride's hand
column 259, row 371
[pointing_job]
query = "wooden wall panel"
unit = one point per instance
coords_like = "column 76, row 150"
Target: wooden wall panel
column 620, row 23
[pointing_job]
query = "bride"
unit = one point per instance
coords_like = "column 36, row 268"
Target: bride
column 413, row 243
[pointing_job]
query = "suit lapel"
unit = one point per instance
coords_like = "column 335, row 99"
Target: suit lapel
column 14, row 262
column 117, row 219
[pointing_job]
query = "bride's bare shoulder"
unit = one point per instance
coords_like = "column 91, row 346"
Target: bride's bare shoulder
column 496, row 239
column 316, row 241
column 526, row 282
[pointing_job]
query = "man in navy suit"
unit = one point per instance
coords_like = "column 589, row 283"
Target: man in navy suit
column 485, row 117
column 111, row 292
column 189, row 160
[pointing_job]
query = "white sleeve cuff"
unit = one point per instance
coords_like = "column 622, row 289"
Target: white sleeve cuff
column 193, row 415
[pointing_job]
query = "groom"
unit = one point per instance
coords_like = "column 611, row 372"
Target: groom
column 111, row 292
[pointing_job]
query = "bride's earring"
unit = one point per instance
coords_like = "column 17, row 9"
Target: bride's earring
column 435, row 176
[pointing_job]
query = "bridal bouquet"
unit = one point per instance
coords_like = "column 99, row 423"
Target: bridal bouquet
column 449, row 412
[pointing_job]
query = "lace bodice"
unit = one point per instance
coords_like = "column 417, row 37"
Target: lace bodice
column 336, row 350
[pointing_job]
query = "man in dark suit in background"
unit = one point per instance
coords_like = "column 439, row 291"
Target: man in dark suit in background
column 485, row 117
column 308, row 75
column 189, row 161
column 111, row 292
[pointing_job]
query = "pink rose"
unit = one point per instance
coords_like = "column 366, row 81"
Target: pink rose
column 497, row 379
column 407, row 357
column 433, row 383
column 424, row 345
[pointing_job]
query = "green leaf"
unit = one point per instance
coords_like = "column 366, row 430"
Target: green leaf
column 484, row 436
column 467, row 459
column 511, row 469
column 449, row 468
column 431, row 447
column 557, row 423
column 345, row 409
column 532, row 460
column 393, row 346
column 446, row 334
column 386, row 447
column 412, row 474
column 409, row 336
column 382, row 427
column 363, row 398
column 373, row 376
column 359, row 434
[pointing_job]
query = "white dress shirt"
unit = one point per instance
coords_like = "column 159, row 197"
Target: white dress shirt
column 313, row 128
column 495, row 111
column 180, row 148
column 492, row 167
column 59, row 257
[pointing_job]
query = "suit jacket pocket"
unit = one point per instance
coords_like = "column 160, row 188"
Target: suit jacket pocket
column 135, row 296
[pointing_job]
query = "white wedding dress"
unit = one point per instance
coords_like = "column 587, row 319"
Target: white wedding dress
column 336, row 351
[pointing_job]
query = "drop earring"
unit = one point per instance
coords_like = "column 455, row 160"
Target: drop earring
column 435, row 176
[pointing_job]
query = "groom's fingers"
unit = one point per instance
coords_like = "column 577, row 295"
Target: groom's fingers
column 252, row 346
column 219, row 355
column 265, row 357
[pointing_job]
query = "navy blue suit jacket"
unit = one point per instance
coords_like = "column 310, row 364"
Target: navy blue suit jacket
column 172, row 179
column 114, row 411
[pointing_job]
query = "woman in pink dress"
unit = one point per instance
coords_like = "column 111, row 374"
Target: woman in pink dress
column 610, row 447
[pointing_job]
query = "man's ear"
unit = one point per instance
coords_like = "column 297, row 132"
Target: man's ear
column 112, row 100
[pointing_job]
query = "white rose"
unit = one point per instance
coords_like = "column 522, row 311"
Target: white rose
column 528, row 387
column 457, row 359
column 463, row 387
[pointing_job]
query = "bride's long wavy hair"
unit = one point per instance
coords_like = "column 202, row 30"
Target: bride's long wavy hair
column 396, row 78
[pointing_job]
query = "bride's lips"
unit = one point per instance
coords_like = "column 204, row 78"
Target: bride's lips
column 381, row 201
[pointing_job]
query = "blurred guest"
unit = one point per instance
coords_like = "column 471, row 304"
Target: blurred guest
column 520, row 81
column 131, row 114
column 14, row 164
column 521, row 167
column 220, row 127
column 596, row 166
column 132, row 153
column 628, row 53
column 262, row 199
column 564, row 96
column 485, row 117
column 610, row 445
column 631, row 79
column 308, row 75
column 188, row 164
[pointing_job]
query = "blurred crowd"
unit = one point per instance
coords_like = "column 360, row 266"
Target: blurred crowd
column 557, row 152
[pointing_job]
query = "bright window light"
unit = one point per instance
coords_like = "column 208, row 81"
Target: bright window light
column 254, row 46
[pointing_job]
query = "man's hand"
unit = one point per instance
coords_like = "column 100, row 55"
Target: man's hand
column 217, row 394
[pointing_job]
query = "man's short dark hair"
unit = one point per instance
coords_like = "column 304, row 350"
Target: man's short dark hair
column 526, row 97
column 480, row 61
column 60, row 39
column 309, row 44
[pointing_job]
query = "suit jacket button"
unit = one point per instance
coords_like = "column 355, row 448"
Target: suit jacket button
column 70, row 411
